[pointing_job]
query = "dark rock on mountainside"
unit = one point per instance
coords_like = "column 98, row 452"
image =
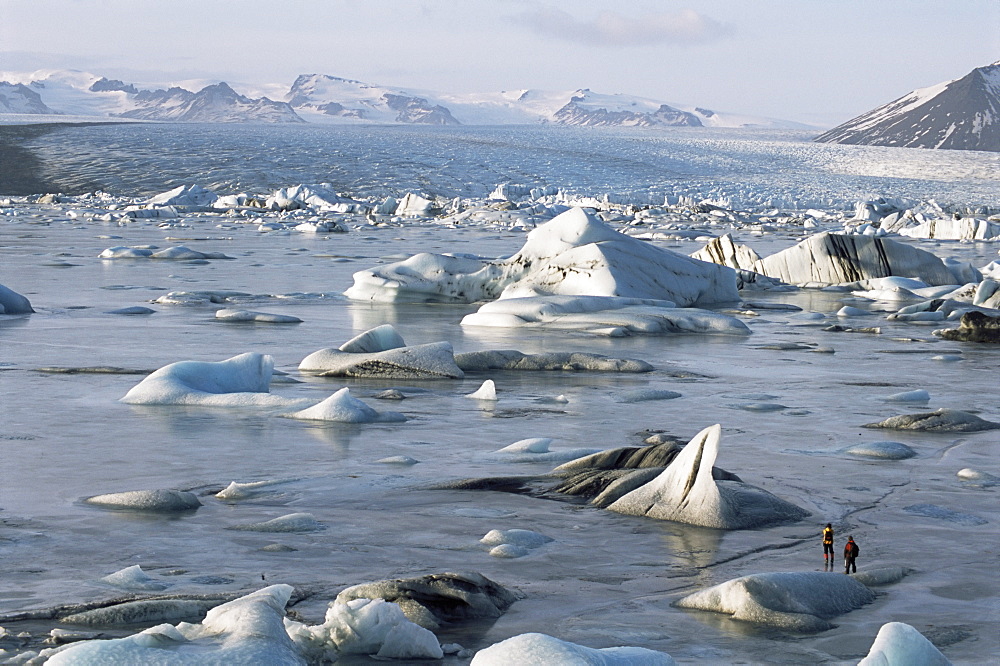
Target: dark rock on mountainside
column 215, row 103
column 19, row 98
column 576, row 113
column 963, row 114
column 113, row 85
column 418, row 110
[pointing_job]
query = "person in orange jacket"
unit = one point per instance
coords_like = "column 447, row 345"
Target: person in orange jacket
column 851, row 551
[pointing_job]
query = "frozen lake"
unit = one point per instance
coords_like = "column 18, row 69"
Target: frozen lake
column 787, row 412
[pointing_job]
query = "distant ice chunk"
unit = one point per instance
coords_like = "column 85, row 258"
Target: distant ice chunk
column 531, row 445
column 517, row 537
column 134, row 578
column 899, row 644
column 687, row 492
column 132, row 310
column 536, row 449
column 342, row 407
column 147, row 500
column 798, row 601
column 536, row 649
column 966, row 228
column 380, row 338
column 184, row 195
column 239, row 491
column 969, row 474
column 918, row 395
column 882, row 450
column 292, row 522
column 258, row 317
column 429, row 361
column 942, row 420
column 12, row 302
column 645, row 395
column 488, row 391
column 398, row 460
column 242, row 380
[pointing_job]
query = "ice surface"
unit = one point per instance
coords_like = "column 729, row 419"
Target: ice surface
column 342, row 407
column 899, row 644
column 798, row 601
column 686, row 492
column 542, row 650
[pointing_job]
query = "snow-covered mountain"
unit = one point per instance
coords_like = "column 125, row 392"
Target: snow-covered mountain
column 962, row 114
column 320, row 98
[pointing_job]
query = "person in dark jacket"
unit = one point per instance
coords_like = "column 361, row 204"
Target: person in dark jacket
column 851, row 551
column 828, row 545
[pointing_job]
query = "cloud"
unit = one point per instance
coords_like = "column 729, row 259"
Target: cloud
column 613, row 29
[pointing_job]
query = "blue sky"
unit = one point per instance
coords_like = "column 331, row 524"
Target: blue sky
column 806, row 60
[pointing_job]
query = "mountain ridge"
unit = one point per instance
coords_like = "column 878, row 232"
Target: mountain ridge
column 961, row 114
column 322, row 98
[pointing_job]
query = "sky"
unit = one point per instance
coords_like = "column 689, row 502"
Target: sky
column 805, row 60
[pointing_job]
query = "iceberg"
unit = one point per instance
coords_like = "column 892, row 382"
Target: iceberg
column 238, row 381
column 574, row 254
column 342, row 407
column 435, row 360
column 687, row 492
column 829, row 258
column 184, row 195
column 511, row 359
column 899, row 644
column 797, row 601
column 536, row 649
column 147, row 500
column 256, row 317
column 12, row 302
column 942, row 420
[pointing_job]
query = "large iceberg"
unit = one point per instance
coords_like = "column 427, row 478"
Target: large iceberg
column 798, row 601
column 536, row 649
column 240, row 380
column 687, row 492
column 573, row 254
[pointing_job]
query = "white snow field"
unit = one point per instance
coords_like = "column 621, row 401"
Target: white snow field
column 149, row 457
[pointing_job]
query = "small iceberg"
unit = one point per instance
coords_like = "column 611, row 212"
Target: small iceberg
column 536, row 649
column 342, row 407
column 488, row 391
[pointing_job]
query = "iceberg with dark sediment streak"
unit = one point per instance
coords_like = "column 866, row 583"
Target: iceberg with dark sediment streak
column 687, row 492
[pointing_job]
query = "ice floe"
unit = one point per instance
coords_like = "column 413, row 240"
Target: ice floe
column 12, row 302
column 797, row 601
column 536, row 649
column 437, row 599
column 899, row 644
column 687, row 492
column 435, row 360
column 242, row 380
column 256, row 317
column 511, row 359
column 513, row 543
column 342, row 407
column 147, row 500
column 603, row 315
column 573, row 254
column 292, row 522
column 942, row 420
